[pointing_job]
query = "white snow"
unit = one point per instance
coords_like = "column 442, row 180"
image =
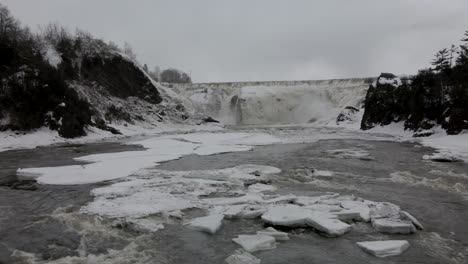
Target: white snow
column 242, row 257
column 384, row 249
column 209, row 224
column 392, row 81
column 51, row 55
column 111, row 166
column 253, row 243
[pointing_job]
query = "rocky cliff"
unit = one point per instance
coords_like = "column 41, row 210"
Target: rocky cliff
column 69, row 83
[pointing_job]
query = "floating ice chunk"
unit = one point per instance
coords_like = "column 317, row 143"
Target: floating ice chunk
column 294, row 216
column 324, row 208
column 348, row 215
column 146, row 224
column 242, row 257
column 408, row 216
column 234, row 211
column 384, row 249
column 322, row 173
column 393, row 226
column 306, row 200
column 281, row 199
column 278, row 235
column 252, row 212
column 136, row 205
column 253, row 243
column 361, row 207
column 209, row 224
column 384, row 210
column 287, row 215
column 259, row 187
column 331, row 227
column 207, row 150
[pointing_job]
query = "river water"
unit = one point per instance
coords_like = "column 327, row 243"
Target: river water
column 42, row 223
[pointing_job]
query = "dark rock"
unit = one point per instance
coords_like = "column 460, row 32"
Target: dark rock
column 209, row 119
column 425, row 101
column 347, row 115
column 120, row 77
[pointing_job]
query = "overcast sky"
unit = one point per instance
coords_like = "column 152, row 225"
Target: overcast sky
column 242, row 40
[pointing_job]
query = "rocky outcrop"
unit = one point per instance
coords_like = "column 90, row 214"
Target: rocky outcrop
column 421, row 103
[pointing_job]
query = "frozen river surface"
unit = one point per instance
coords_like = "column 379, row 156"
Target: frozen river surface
column 42, row 223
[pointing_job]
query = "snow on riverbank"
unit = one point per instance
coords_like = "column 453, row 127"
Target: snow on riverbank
column 10, row 140
column 448, row 146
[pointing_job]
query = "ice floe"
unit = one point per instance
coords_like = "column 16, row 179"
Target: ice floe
column 384, row 249
column 242, row 257
column 253, row 243
column 408, row 216
column 209, row 224
column 110, row 166
column 278, row 235
column 393, row 226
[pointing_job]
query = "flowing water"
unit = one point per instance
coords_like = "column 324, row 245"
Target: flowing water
column 42, row 223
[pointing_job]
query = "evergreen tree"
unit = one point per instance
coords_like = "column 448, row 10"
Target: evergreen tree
column 463, row 58
column 442, row 60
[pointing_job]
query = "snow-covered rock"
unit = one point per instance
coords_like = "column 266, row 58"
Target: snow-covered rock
column 242, row 257
column 384, row 249
column 278, row 235
column 252, row 243
column 209, row 224
column 393, row 226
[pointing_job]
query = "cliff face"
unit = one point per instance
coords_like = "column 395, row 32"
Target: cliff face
column 420, row 103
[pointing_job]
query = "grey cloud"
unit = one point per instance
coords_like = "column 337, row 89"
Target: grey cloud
column 219, row 40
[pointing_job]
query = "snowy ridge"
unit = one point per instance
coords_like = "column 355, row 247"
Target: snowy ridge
column 277, row 102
